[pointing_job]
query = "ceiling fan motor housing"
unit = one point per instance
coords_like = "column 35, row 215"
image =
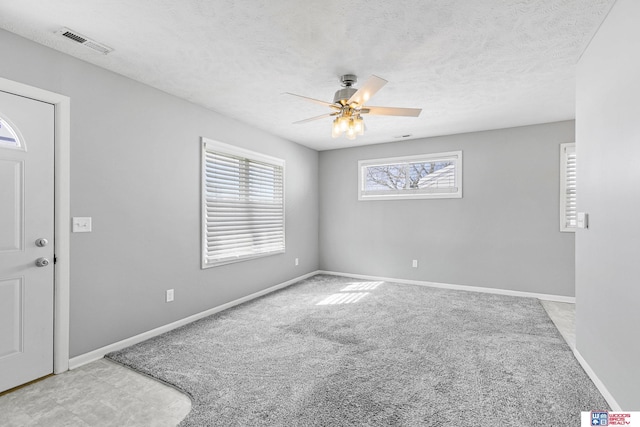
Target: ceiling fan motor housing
column 343, row 95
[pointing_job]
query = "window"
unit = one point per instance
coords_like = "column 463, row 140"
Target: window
column 242, row 204
column 568, row 214
column 426, row 176
column 8, row 136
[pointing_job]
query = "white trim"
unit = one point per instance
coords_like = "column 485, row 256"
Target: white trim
column 546, row 297
column 62, row 108
column 97, row 354
column 599, row 384
column 213, row 145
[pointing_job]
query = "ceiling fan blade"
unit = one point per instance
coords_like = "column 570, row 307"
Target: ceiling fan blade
column 391, row 111
column 316, row 101
column 367, row 90
column 315, row 118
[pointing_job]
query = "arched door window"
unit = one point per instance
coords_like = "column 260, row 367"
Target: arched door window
column 9, row 137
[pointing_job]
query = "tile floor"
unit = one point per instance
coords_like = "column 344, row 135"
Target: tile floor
column 563, row 316
column 102, row 393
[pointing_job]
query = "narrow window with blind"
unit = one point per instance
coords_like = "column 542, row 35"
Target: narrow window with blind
column 242, row 204
column 425, row 176
column 568, row 213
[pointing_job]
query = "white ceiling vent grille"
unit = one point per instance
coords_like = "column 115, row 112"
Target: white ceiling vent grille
column 84, row 41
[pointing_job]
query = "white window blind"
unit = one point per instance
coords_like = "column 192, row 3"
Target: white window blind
column 423, row 176
column 243, row 204
column 568, row 213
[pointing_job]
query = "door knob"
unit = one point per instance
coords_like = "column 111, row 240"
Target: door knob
column 42, row 262
column 42, row 243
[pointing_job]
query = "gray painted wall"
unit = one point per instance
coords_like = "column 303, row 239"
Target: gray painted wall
column 607, row 254
column 135, row 156
column 504, row 232
column 135, row 169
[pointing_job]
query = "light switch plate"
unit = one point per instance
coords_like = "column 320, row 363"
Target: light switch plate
column 582, row 220
column 81, row 224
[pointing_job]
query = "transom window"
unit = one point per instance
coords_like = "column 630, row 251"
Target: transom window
column 242, row 204
column 424, row 176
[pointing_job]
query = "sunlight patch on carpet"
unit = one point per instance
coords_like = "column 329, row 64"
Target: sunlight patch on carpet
column 361, row 286
column 338, row 299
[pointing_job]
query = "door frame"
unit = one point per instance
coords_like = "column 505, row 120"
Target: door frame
column 62, row 193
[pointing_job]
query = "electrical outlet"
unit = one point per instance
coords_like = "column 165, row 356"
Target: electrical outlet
column 415, row 263
column 169, row 296
column 297, row 262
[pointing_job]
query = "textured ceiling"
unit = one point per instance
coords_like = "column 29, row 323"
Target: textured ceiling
column 469, row 64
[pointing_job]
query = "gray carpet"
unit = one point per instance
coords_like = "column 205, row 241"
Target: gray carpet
column 372, row 354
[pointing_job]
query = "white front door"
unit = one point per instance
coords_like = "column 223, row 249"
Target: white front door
column 26, row 237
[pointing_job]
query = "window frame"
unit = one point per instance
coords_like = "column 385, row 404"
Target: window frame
column 408, row 194
column 565, row 150
column 210, row 145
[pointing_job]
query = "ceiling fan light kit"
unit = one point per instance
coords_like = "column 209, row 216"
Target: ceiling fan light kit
column 348, row 106
column 350, row 126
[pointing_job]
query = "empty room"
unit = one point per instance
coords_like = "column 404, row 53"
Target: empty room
column 320, row 213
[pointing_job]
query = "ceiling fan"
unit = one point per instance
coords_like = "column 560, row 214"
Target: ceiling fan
column 348, row 106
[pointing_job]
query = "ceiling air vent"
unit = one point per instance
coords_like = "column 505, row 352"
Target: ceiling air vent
column 84, row 41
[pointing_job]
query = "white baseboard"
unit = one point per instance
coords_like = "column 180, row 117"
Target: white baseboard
column 91, row 356
column 99, row 353
column 546, row 297
column 601, row 387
